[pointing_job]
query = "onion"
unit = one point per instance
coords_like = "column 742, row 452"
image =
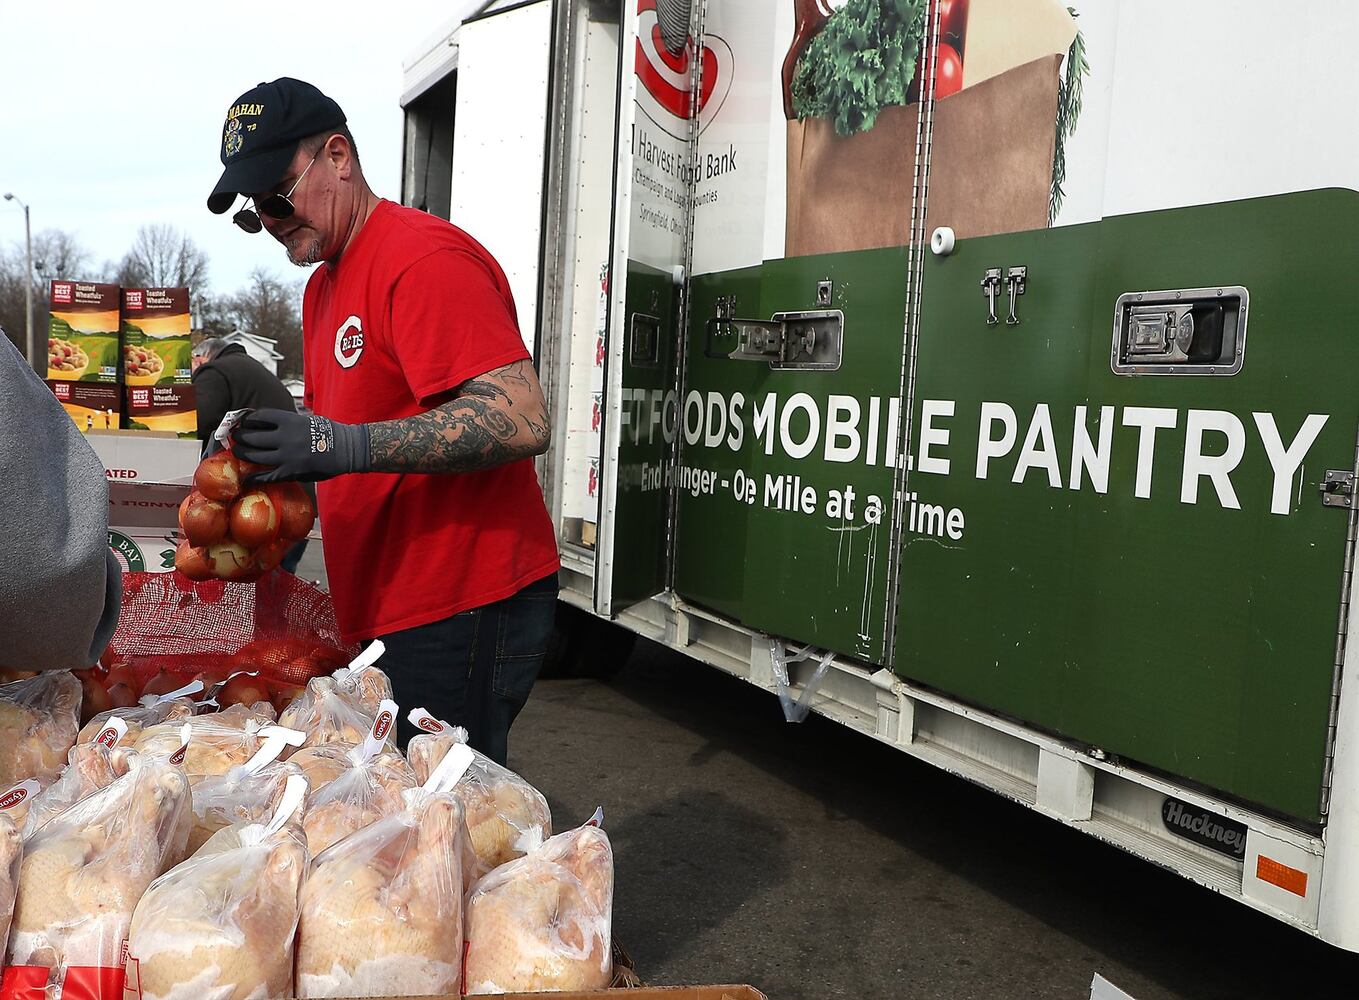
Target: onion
column 218, row 477
column 254, row 519
column 295, row 511
column 163, row 683
column 123, row 677
column 231, row 561
column 193, row 561
column 243, row 689
column 122, row 696
column 204, row 521
column 270, row 554
column 94, row 697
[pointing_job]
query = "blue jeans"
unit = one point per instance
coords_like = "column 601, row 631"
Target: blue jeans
column 476, row 668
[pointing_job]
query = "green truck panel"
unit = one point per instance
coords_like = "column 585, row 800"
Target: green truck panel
column 792, row 572
column 1190, row 637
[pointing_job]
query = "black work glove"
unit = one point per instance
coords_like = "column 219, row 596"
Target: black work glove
column 304, row 448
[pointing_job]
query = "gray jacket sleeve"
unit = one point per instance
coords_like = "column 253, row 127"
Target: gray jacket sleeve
column 59, row 584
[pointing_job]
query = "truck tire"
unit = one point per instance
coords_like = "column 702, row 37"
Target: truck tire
column 583, row 645
column 602, row 649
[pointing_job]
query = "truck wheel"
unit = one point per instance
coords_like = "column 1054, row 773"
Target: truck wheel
column 585, row 646
column 602, row 649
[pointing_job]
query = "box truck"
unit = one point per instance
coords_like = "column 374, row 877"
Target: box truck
column 979, row 374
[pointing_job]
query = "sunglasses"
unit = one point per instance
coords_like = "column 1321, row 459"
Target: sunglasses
column 276, row 206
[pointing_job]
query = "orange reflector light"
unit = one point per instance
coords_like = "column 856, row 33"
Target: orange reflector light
column 1275, row 873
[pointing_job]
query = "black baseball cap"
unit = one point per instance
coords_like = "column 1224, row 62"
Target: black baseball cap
column 261, row 133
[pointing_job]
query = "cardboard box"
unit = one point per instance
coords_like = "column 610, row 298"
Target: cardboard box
column 155, row 327
column 94, row 406
column 149, row 475
column 82, row 334
column 169, row 408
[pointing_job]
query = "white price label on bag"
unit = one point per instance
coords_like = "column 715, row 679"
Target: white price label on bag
column 20, row 793
column 112, row 732
column 377, row 735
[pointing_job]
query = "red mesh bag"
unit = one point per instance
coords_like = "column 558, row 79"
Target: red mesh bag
column 281, row 626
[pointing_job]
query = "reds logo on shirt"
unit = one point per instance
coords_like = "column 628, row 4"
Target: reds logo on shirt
column 349, row 342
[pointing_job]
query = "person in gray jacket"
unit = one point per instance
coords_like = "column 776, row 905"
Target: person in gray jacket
column 60, row 586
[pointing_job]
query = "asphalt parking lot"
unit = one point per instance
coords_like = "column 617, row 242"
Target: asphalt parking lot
column 815, row 863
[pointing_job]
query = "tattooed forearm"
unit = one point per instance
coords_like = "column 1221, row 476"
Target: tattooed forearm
column 495, row 418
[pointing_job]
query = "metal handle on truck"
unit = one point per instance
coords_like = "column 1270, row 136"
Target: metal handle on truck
column 1181, row 331
column 809, row 340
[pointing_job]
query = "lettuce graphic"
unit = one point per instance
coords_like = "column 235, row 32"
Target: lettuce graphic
column 861, row 62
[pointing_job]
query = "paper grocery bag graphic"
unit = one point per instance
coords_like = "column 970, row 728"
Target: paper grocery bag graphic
column 991, row 163
column 990, row 170
column 993, row 146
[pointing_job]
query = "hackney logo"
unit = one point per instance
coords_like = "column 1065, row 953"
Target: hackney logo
column 663, row 64
column 349, row 342
column 1205, row 828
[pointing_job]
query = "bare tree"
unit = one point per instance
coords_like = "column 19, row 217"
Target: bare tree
column 214, row 315
column 56, row 254
column 269, row 306
column 164, row 257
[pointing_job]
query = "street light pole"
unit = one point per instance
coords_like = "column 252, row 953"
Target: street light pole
column 28, row 289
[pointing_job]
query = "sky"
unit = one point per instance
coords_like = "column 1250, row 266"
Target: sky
column 112, row 112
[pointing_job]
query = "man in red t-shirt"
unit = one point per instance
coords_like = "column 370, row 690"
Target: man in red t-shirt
column 427, row 413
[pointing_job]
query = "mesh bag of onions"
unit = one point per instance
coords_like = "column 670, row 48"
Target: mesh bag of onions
column 280, row 627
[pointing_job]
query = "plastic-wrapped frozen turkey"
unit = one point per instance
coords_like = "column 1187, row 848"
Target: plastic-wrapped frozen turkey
column 134, row 720
column 367, row 789
column 341, row 708
column 382, row 908
column 40, row 717
column 506, row 816
column 220, row 925
column 90, row 767
column 82, row 875
column 218, row 742
column 248, row 793
column 11, row 857
column 544, row 921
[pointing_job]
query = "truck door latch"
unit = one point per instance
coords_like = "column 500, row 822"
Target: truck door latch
column 1337, row 489
column 1015, row 279
column 990, row 284
column 810, row 339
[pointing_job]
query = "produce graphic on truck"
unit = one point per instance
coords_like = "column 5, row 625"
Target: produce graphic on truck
column 978, row 375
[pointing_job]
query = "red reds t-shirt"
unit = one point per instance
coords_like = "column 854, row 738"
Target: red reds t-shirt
column 415, row 308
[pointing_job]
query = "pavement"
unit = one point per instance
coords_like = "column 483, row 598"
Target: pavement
column 813, row 862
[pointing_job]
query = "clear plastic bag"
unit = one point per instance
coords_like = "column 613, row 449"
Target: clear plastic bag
column 220, row 926
column 382, row 909
column 331, row 711
column 796, row 710
column 369, row 788
column 90, row 767
column 217, row 742
column 506, row 816
column 364, row 683
column 241, row 796
column 40, row 717
column 544, row 922
column 136, row 718
column 82, row 875
column 11, row 857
